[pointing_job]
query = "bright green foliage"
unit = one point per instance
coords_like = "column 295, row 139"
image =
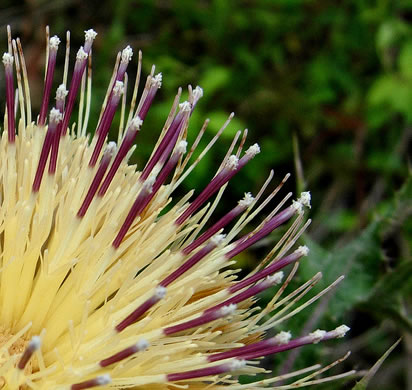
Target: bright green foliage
column 337, row 76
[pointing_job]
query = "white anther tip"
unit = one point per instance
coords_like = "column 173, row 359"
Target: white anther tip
column 317, row 335
column 160, row 292
column 297, row 206
column 197, row 93
column 61, row 92
column 90, row 35
column 103, row 379
column 118, row 88
column 217, row 239
column 81, row 54
column 185, row 106
column 247, row 200
column 54, row 42
column 276, row 278
column 228, row 309
column 142, row 344
column 111, row 147
column 341, row 331
column 55, row 115
column 157, row 80
column 35, row 343
column 232, row 162
column 181, row 147
column 305, row 198
column 237, row 364
column 136, row 123
column 7, row 59
column 303, row 250
column 253, row 150
column 127, row 54
column 282, row 337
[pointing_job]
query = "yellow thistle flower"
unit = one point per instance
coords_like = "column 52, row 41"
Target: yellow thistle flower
column 106, row 280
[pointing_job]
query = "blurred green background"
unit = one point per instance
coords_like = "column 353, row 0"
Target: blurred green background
column 325, row 87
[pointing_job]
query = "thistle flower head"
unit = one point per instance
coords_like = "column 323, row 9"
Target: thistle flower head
column 107, row 280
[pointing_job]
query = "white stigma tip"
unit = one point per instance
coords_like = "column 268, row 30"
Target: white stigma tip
column 81, row 55
column 7, row 59
column 305, row 198
column 160, row 292
column 253, row 150
column 181, row 147
column 90, row 35
column 35, row 343
column 247, row 200
column 103, row 380
column 303, row 250
column 185, row 107
column 237, row 364
column 232, row 162
column 118, row 88
column 317, row 335
column 142, row 344
column 55, row 115
column 276, row 278
column 136, row 123
column 227, row 310
column 54, row 42
column 157, row 80
column 61, row 92
column 282, row 338
column 341, row 331
column 197, row 93
column 127, row 54
column 217, row 239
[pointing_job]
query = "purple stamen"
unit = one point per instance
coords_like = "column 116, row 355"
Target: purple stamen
column 169, row 147
column 79, row 68
column 250, row 292
column 104, row 164
column 197, row 94
column 127, row 142
column 239, row 352
column 61, row 94
column 149, row 189
column 226, row 219
column 107, row 119
column 312, row 338
column 232, row 167
column 141, row 345
column 32, row 347
column 155, row 84
column 143, row 308
column 98, row 381
column 207, row 371
column 267, row 228
column 135, row 210
column 53, row 47
column 127, row 54
column 214, row 242
column 206, row 317
column 168, row 141
column 271, row 269
column 89, row 37
column 54, row 120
